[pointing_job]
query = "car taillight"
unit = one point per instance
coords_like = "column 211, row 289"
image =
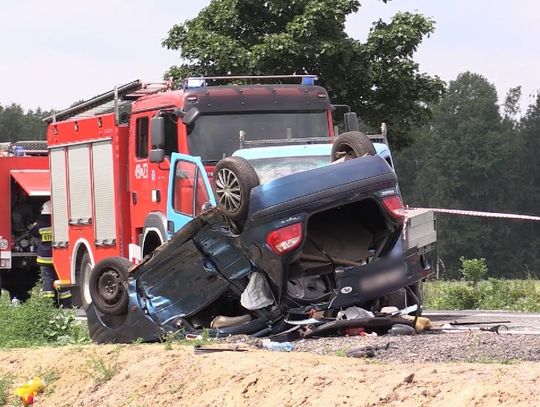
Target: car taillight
column 285, row 239
column 394, row 205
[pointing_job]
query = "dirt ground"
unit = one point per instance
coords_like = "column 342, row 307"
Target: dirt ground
column 155, row 375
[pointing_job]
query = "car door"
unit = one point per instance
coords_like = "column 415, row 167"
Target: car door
column 189, row 191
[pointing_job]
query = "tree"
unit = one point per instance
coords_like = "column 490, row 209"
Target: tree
column 379, row 78
column 15, row 124
column 465, row 161
column 511, row 103
column 527, row 195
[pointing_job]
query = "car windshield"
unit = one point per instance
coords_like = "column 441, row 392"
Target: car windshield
column 215, row 136
column 269, row 169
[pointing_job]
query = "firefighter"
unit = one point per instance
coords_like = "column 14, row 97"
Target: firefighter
column 43, row 230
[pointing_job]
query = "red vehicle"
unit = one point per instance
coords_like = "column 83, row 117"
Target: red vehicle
column 24, row 187
column 109, row 158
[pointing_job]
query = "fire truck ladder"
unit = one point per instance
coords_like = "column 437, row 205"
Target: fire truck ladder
column 109, row 101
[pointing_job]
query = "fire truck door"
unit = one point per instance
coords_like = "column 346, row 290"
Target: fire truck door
column 189, row 190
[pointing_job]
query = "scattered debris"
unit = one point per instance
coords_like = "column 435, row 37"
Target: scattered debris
column 400, row 329
column 278, row 346
column 495, row 328
column 366, row 351
column 422, row 323
column 29, row 390
column 198, row 349
column 409, row 378
column 478, row 322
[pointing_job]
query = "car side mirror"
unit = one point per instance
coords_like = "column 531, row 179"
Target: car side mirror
column 156, row 155
column 157, row 125
column 190, row 116
column 350, row 120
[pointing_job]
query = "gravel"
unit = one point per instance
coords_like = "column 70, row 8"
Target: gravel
column 444, row 347
column 467, row 346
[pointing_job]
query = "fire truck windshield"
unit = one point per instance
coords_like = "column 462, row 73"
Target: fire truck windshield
column 215, row 136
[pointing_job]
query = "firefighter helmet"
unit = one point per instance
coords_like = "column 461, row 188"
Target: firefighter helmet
column 46, row 208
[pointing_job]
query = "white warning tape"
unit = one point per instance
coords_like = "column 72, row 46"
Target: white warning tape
column 482, row 214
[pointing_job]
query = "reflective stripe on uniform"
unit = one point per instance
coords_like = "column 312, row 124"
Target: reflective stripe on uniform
column 61, row 283
column 46, row 234
column 44, row 260
column 49, row 294
column 62, row 295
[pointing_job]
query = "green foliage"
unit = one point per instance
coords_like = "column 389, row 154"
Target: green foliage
column 471, row 157
column 38, row 322
column 379, row 78
column 6, row 380
column 511, row 103
column 102, row 370
column 49, row 376
column 16, row 124
column 473, row 270
column 514, row 295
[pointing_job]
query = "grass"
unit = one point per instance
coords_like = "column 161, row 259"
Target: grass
column 102, row 370
column 48, row 376
column 512, row 295
column 38, row 322
column 6, row 381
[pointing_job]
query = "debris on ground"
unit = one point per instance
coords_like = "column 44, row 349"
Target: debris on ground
column 400, row 329
column 278, row 346
column 28, row 391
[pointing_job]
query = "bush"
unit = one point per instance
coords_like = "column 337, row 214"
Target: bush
column 476, row 293
column 38, row 322
column 514, row 295
column 473, row 270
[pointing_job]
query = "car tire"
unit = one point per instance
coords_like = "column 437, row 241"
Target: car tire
column 108, row 285
column 352, row 144
column 234, row 178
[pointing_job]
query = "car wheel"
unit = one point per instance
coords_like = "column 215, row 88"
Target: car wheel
column 234, row 178
column 352, row 144
column 108, row 285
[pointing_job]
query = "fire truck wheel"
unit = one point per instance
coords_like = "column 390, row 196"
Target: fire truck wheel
column 84, row 277
column 352, row 144
column 108, row 285
column 234, row 178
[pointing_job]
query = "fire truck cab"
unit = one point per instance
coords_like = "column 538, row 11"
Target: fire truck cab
column 24, row 187
column 110, row 158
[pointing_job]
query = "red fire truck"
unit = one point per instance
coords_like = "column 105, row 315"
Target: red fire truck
column 24, row 187
column 109, row 157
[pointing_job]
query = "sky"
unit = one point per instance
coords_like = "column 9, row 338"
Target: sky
column 55, row 52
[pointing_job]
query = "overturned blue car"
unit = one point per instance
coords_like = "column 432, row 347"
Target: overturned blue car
column 287, row 232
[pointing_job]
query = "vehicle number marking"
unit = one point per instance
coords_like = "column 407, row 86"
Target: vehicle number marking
column 141, row 171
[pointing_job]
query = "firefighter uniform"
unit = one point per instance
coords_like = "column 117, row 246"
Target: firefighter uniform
column 43, row 230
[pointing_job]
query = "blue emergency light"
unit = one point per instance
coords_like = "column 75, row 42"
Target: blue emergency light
column 194, row 83
column 309, row 80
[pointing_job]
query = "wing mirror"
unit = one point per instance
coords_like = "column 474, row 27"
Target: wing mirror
column 350, row 120
column 157, row 135
column 156, row 155
column 190, row 116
